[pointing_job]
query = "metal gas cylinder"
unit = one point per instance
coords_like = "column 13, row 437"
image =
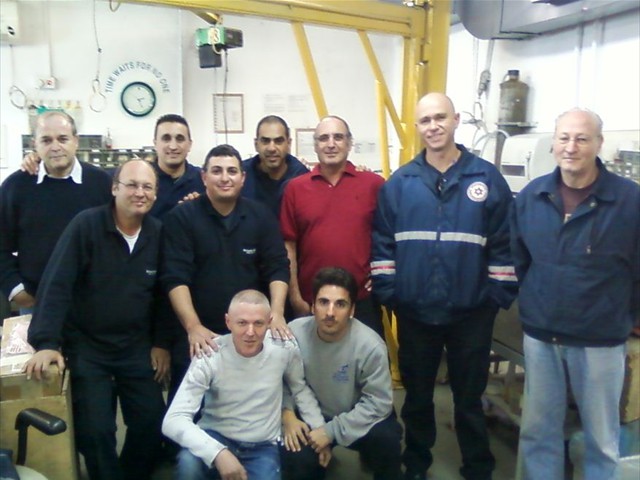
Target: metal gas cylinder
column 513, row 99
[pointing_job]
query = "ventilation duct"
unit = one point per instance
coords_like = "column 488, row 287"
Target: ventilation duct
column 487, row 19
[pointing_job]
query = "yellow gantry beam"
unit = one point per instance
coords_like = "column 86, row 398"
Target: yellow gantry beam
column 381, row 84
column 359, row 14
column 310, row 69
column 425, row 32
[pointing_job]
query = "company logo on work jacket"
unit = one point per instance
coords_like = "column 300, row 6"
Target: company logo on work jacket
column 477, row 192
column 151, row 273
column 249, row 251
column 341, row 375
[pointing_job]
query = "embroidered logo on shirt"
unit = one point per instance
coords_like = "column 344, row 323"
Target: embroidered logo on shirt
column 249, row 251
column 477, row 192
column 341, row 375
column 151, row 273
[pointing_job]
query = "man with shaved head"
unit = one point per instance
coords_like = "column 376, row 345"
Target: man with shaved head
column 441, row 260
column 240, row 390
column 576, row 246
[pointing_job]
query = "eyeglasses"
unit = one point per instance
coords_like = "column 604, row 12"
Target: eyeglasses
column 133, row 187
column 337, row 137
column 580, row 141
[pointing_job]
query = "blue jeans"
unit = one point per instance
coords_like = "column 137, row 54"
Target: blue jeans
column 596, row 376
column 260, row 460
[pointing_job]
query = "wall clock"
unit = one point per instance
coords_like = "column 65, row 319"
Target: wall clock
column 138, row 99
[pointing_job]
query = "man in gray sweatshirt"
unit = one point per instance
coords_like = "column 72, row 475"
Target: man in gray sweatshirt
column 241, row 385
column 347, row 367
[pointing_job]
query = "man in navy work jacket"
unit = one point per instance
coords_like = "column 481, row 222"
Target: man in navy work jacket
column 576, row 246
column 98, row 312
column 35, row 209
column 215, row 246
column 441, row 260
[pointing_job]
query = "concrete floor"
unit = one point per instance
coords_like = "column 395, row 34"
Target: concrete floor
column 504, row 437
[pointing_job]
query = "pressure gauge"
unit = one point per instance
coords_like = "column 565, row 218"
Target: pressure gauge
column 138, row 99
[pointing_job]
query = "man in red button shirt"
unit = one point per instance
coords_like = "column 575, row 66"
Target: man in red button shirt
column 326, row 219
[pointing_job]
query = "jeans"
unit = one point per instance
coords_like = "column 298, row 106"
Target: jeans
column 96, row 384
column 260, row 460
column 379, row 451
column 596, row 376
column 468, row 344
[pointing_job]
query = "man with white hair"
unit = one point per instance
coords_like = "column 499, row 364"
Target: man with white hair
column 35, row 209
column 576, row 247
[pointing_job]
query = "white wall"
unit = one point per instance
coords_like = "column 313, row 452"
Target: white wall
column 267, row 71
column 599, row 69
column 131, row 34
column 596, row 66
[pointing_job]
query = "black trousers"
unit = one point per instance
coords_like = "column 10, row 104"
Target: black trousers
column 96, row 384
column 468, row 345
column 369, row 312
column 379, row 452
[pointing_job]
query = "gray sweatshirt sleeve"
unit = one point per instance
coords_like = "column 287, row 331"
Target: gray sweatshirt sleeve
column 178, row 423
column 296, row 387
column 375, row 403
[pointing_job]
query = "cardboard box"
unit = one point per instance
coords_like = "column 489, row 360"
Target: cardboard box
column 14, row 349
column 630, row 401
column 54, row 457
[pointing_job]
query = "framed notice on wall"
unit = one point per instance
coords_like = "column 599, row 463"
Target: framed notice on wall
column 228, row 113
column 304, row 144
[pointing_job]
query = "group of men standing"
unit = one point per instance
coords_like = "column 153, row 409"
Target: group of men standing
column 442, row 244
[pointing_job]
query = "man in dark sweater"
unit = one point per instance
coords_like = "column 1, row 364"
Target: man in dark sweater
column 177, row 178
column 98, row 310
column 268, row 172
column 214, row 247
column 35, row 209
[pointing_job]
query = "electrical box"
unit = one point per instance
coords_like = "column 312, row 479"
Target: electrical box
column 9, row 27
column 219, row 36
column 525, row 157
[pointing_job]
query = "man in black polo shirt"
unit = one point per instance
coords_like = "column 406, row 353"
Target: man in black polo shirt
column 215, row 246
column 98, row 310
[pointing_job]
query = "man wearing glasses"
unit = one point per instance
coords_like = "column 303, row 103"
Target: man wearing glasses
column 269, row 172
column 98, row 311
column 326, row 219
column 35, row 209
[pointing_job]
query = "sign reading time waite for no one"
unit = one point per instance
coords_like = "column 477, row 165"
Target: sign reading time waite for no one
column 136, row 66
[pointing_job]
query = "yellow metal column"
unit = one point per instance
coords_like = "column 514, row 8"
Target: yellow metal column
column 381, row 87
column 310, row 69
column 437, row 45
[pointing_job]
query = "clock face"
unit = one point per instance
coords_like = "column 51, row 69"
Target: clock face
column 138, row 99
